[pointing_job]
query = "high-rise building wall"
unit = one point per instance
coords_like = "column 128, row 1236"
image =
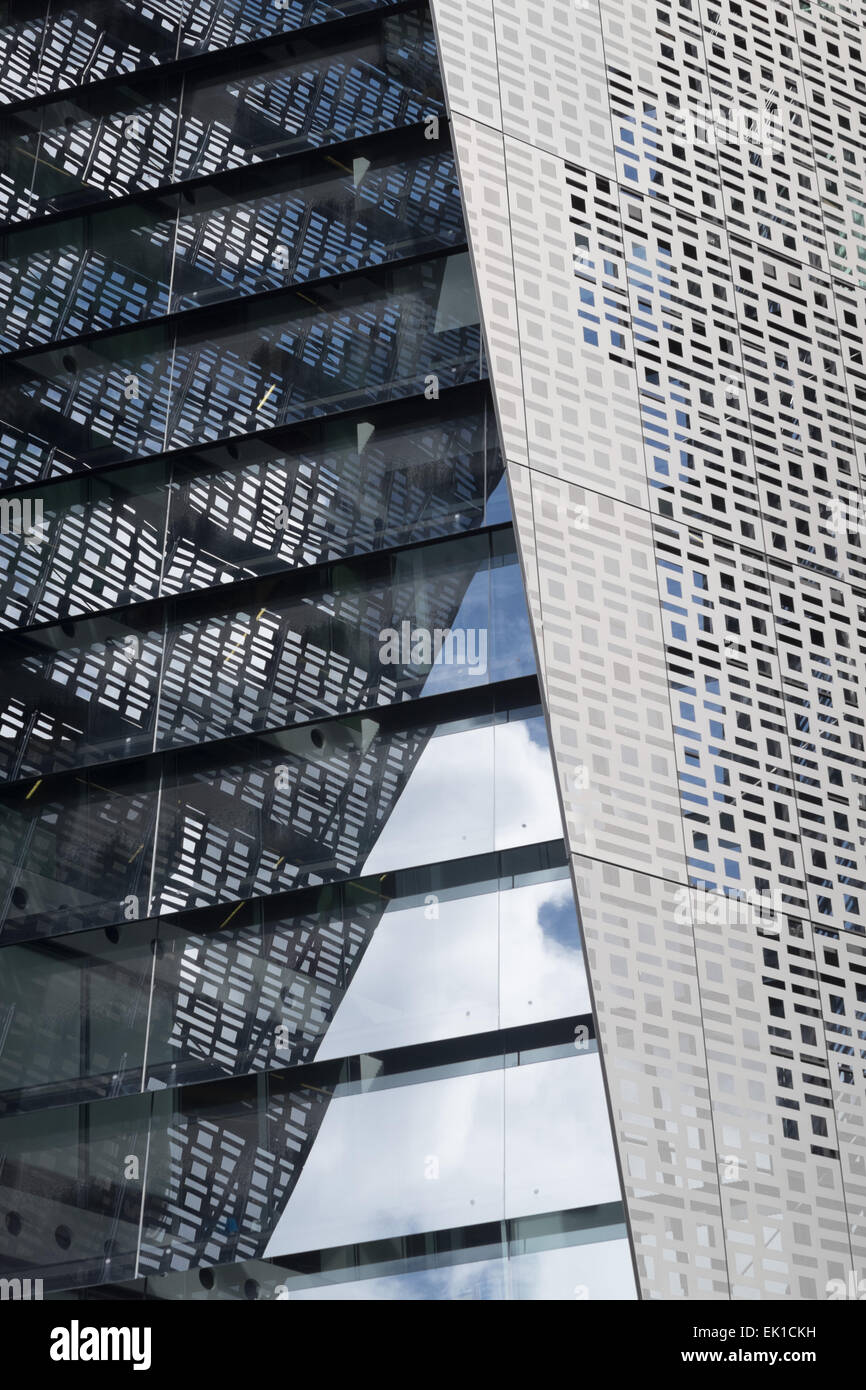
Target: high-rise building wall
column 665, row 205
column 292, row 992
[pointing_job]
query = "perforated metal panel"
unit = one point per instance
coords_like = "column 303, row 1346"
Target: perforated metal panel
column 665, row 206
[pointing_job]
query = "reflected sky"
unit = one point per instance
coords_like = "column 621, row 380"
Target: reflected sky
column 430, row 1155
column 463, row 962
column 446, row 809
column 601, row 1270
column 499, row 506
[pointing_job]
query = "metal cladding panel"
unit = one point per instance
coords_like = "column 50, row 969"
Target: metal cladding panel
column 664, row 207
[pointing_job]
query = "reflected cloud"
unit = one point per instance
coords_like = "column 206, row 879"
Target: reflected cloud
column 595, row 1271
column 430, row 1156
column 463, row 963
column 484, row 787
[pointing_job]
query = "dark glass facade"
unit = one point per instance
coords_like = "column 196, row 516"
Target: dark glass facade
column 292, row 993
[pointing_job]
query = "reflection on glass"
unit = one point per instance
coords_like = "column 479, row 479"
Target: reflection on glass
column 120, row 687
column 74, row 1014
column 458, row 962
column 541, row 960
column 372, row 208
column 288, row 809
column 222, row 1162
column 310, row 805
column 74, row 151
column 71, row 1192
column 74, row 701
column 88, row 146
column 216, row 25
column 274, row 104
column 352, row 968
column 577, row 1254
column 428, row 1156
column 83, row 41
column 87, row 273
column 598, row 1272
column 87, row 41
column 114, row 267
column 355, row 487
column 77, row 854
column 486, row 786
column 257, row 1168
column 343, row 346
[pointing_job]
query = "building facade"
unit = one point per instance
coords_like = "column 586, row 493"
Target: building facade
column 665, row 206
column 394, row 396
column 293, row 1000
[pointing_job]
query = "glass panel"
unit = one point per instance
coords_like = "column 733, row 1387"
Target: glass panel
column 19, row 148
column 542, row 971
column 114, row 267
column 363, row 487
column 263, row 105
column 89, row 146
column 215, row 24
column 597, row 1272
column 348, row 969
column 472, row 789
column 71, row 1191
column 429, row 971
column 86, row 273
column 601, row 1271
column 222, row 1160
column 577, row 1254
column 309, row 804
column 422, row 1157
column 500, row 503
column 368, row 633
column 460, row 961
column 95, row 39
column 77, row 697
column 96, row 543
column 20, row 43
column 511, row 651
column 285, row 657
column 256, row 1167
column 73, row 1015
column 256, row 990
column 258, row 104
column 429, row 1155
column 76, row 853
column 369, row 486
column 526, row 804
column 286, row 810
column 558, row 1149
column 315, row 223
column 362, row 341
column 84, row 42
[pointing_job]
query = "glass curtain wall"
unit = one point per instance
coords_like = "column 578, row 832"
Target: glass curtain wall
column 292, row 993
